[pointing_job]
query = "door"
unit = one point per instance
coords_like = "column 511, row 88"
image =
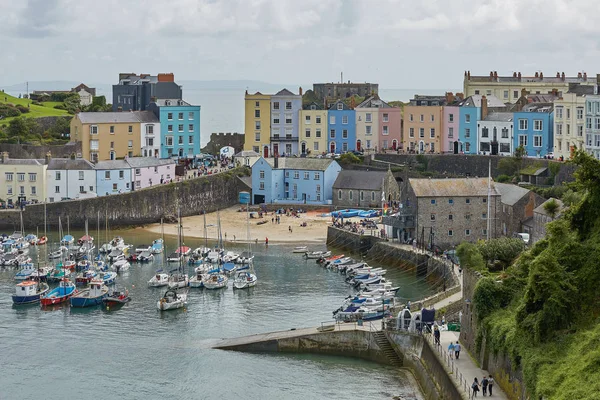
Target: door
column 332, row 147
column 275, row 150
column 304, row 198
column 421, row 147
column 494, row 148
column 455, row 148
column 394, row 144
column 265, row 151
column 358, row 145
column 259, row 198
column 303, row 148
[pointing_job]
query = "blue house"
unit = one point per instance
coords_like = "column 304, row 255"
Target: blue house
column 472, row 110
column 341, row 128
column 179, row 128
column 112, row 177
column 290, row 180
column 534, row 129
column 285, row 126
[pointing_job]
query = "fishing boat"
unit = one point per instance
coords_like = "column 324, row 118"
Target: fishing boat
column 41, row 241
column 120, row 266
column 85, row 277
column 300, row 249
column 157, row 246
column 85, row 238
column 215, row 281
column 58, row 274
column 145, row 256
column 69, row 264
column 31, row 239
column 317, row 254
column 244, row 279
column 25, row 272
column 29, row 292
column 159, row 279
column 172, row 299
column 67, row 240
column 41, row 274
column 116, row 297
column 108, row 277
column 82, row 265
column 92, row 296
column 59, row 294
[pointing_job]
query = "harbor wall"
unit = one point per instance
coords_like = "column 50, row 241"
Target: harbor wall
column 352, row 242
column 192, row 196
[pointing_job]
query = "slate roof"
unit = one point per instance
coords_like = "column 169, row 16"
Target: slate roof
column 365, row 180
column 547, row 79
column 334, row 106
column 22, row 161
column 112, row 164
column 309, row 164
column 116, row 117
column 541, row 210
column 475, row 101
column 457, row 187
column 311, row 104
column 539, row 107
column 285, row 92
column 510, row 194
column 247, row 153
column 581, row 90
column 69, row 164
column 373, row 102
column 500, row 116
column 144, row 162
column 173, row 102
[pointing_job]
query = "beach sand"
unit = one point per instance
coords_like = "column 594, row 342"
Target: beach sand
column 234, row 228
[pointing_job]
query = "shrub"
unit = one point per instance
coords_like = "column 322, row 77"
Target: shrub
column 503, row 178
column 509, row 166
column 7, row 110
column 22, row 109
column 349, row 158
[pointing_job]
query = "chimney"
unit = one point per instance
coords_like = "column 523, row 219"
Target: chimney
column 484, row 107
column 449, row 97
column 514, row 74
column 491, row 75
column 562, row 76
column 465, row 74
column 541, row 75
column 300, row 91
column 469, row 75
column 166, row 77
column 579, row 75
column 585, row 76
column 4, row 156
column 48, row 157
column 558, row 74
column 496, row 75
column 519, row 76
column 460, row 96
column 555, row 92
column 537, row 75
column 246, row 92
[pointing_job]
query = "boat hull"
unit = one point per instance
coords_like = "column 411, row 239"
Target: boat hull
column 48, row 301
column 86, row 301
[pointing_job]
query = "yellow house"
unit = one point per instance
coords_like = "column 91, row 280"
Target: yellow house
column 569, row 124
column 422, row 128
column 257, row 124
column 367, row 126
column 313, row 129
column 22, row 178
column 110, row 135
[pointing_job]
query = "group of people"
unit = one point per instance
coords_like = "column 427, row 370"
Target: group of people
column 486, row 385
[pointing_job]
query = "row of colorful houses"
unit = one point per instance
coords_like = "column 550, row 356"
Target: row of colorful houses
column 56, row 179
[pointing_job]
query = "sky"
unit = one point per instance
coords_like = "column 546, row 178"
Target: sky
column 425, row 44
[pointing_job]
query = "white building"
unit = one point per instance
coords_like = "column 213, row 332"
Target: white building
column 150, row 140
column 495, row 134
column 68, row 179
column 592, row 125
column 150, row 171
column 569, row 121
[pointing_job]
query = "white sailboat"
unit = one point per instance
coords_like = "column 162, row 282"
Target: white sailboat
column 179, row 279
column 172, row 299
column 245, row 276
column 217, row 279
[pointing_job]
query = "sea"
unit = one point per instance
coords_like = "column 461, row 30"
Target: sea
column 138, row 352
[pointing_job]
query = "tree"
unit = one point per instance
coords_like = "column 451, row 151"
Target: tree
column 72, row 103
column 551, row 207
column 508, row 166
column 470, row 257
column 520, row 152
column 504, row 250
column 349, row 158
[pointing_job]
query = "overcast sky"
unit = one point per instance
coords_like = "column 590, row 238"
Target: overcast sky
column 398, row 43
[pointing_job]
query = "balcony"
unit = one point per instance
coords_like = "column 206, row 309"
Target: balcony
column 286, row 138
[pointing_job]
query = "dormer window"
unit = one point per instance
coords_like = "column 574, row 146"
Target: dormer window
column 340, row 106
column 313, row 107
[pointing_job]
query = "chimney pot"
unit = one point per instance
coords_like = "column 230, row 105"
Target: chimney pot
column 579, row 75
column 484, row 107
column 514, row 74
column 537, row 75
column 519, row 76
column 585, row 76
column 300, row 91
column 541, row 75
column 465, row 73
column 558, row 74
column 469, row 75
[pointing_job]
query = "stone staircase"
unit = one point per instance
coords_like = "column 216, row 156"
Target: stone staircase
column 387, row 349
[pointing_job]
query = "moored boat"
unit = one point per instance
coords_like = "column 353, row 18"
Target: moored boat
column 25, row 272
column 159, row 279
column 41, row 241
column 67, row 240
column 216, row 281
column 172, row 299
column 120, row 266
column 85, row 277
column 28, row 292
column 108, row 277
column 178, row 280
column 300, row 249
column 116, row 297
column 157, row 246
column 59, row 294
column 244, row 279
column 92, row 296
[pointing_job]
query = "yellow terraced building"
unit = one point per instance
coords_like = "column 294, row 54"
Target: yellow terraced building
column 257, row 123
column 313, row 129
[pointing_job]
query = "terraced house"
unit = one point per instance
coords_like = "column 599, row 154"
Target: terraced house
column 341, row 128
column 285, row 113
column 22, row 178
column 313, row 129
column 423, row 124
column 570, row 120
column 179, row 128
column 257, row 123
column 534, row 129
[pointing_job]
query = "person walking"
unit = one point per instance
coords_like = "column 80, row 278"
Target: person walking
column 484, row 385
column 490, row 384
column 457, row 350
column 451, row 350
column 436, row 335
column 475, row 387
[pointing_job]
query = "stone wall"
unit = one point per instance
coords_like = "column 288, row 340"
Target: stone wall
column 219, row 140
column 348, row 241
column 137, row 208
column 33, row 151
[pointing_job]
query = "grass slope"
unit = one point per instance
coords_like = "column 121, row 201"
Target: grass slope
column 35, row 111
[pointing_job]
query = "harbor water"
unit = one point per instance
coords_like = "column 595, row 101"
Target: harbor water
column 137, row 352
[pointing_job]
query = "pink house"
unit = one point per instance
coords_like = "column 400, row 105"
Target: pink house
column 150, row 171
column 390, row 127
column 450, row 122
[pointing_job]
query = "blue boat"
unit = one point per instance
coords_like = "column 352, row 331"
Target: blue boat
column 67, row 240
column 108, row 277
column 59, row 294
column 92, row 296
column 229, row 268
column 29, row 292
column 368, row 213
column 348, row 213
column 157, row 246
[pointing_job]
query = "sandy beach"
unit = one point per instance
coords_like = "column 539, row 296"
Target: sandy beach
column 233, row 227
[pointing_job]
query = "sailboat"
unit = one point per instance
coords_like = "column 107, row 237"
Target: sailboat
column 178, row 278
column 159, row 279
column 216, row 279
column 245, row 276
column 172, row 299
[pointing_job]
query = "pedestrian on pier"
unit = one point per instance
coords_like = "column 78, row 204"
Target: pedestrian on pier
column 436, row 335
column 451, row 350
column 490, row 384
column 457, row 350
column 475, row 387
column 484, row 385
column 266, row 241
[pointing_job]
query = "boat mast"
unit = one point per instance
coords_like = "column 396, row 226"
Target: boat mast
column 205, row 233
column 489, row 195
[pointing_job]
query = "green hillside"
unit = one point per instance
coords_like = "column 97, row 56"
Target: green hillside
column 35, row 111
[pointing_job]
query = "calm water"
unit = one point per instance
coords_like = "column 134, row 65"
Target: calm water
column 137, row 352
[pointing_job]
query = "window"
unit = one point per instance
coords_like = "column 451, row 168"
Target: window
column 588, row 123
column 523, row 140
column 316, row 146
column 169, row 140
column 318, row 133
column 484, row 200
column 506, row 94
column 559, row 129
column 504, row 133
column 385, row 130
column 450, row 117
column 130, row 129
column 450, row 132
column 112, row 129
column 467, row 118
column 339, row 194
column 579, row 112
column 261, row 185
column 432, row 133
column 559, row 112
column 385, row 117
column 432, row 201
column 21, row 176
column 368, row 117
column 568, row 113
column 191, row 115
column 345, row 134
column 170, row 116
column 350, row 195
column 288, row 118
column 372, row 196
column 344, row 119
column 580, row 130
column 450, row 233
column 467, row 232
column 538, row 124
column 169, row 128
column 9, row 190
column 275, row 105
column 80, row 175
column 433, row 217
column 467, row 133
column 288, row 105
column 411, row 132
column 255, row 149
column 368, row 130
column 130, row 144
column 467, row 147
column 485, row 132
column 121, row 174
column 191, row 139
column 332, row 133
column 112, row 145
column 306, row 175
column 56, row 189
column 537, row 141
column 296, row 174
column 307, row 132
column 468, row 201
column 421, row 118
column 106, row 174
column 180, row 140
column 115, row 187
column 9, row 176
column 33, row 177
column 191, row 128
column 432, row 118
column 332, row 119
column 568, row 129
column 180, row 127
column 317, row 176
column 477, row 92
column 450, row 217
column 256, row 113
column 362, row 196
column 483, row 216
column 516, row 94
column 33, row 190
column 484, row 232
column 180, row 115
column 523, row 124
column 276, row 119
column 318, row 119
column 421, row 132
column 410, row 117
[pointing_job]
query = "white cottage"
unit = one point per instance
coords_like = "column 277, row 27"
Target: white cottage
column 70, row 179
column 495, row 134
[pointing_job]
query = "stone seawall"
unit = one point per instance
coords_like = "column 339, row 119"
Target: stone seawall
column 194, row 196
column 348, row 241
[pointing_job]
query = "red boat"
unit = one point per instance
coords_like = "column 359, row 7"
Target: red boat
column 42, row 240
column 70, row 264
column 59, row 294
column 333, row 258
column 117, row 297
column 84, row 239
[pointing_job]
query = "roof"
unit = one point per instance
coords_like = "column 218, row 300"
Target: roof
column 141, row 162
column 510, row 194
column 112, row 164
column 475, row 101
column 458, row 187
column 373, row 102
column 70, row 164
column 539, row 107
column 581, row 90
column 545, row 79
column 541, row 98
column 311, row 164
column 312, row 104
column 22, row 161
column 499, row 116
column 366, row 180
column 247, row 153
column 334, row 106
column 116, row 117
column 285, row 92
column 541, row 210
column 171, row 102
